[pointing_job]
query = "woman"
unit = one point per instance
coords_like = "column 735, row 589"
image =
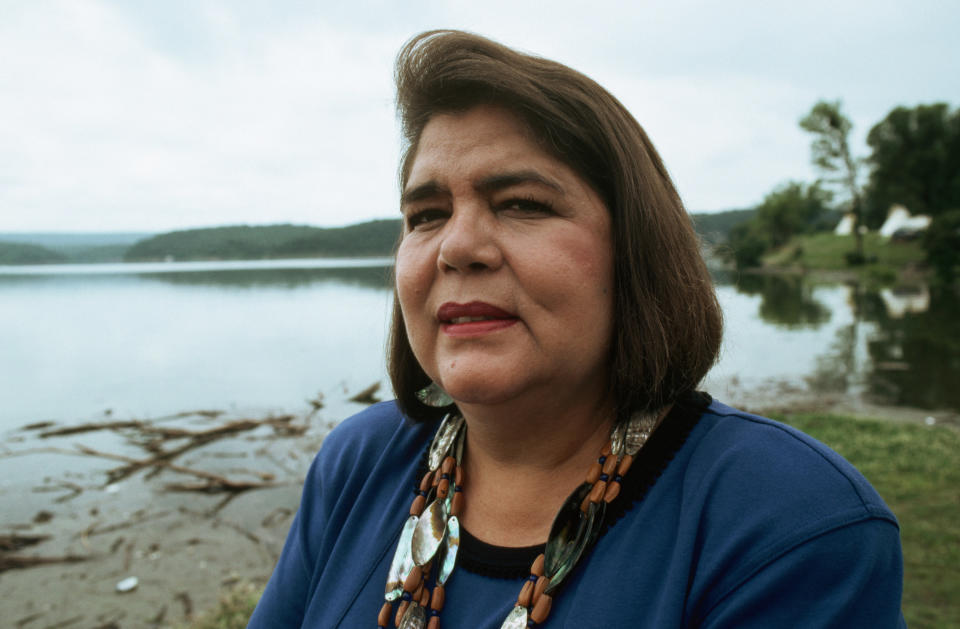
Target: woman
column 549, row 282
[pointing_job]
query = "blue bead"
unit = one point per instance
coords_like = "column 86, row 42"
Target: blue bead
column 446, row 476
column 533, row 578
column 604, row 477
column 602, row 459
column 618, row 478
column 407, row 596
column 434, row 612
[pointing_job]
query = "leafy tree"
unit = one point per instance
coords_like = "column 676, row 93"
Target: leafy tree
column 915, row 161
column 942, row 243
column 791, row 209
column 746, row 244
column 830, row 151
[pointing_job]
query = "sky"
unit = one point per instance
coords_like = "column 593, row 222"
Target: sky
column 141, row 115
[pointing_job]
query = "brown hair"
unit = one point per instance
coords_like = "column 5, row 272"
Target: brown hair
column 668, row 323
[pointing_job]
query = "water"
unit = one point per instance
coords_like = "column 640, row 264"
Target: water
column 260, row 337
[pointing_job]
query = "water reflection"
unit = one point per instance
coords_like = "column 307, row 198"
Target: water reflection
column 380, row 277
column 898, row 346
column 787, row 300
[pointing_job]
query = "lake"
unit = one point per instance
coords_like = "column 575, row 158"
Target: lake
column 78, row 342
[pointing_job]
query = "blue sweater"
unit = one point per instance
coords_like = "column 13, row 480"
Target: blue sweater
column 750, row 524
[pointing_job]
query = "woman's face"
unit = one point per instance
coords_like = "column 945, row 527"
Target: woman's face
column 505, row 270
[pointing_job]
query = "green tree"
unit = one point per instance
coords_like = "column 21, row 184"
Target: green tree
column 831, row 154
column 942, row 243
column 792, row 208
column 746, row 244
column 915, row 161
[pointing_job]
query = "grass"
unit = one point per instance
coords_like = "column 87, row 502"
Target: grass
column 915, row 468
column 232, row 612
column 917, row 471
column 826, row 251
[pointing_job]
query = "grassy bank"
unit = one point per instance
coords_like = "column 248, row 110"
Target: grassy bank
column 826, row 251
column 915, row 468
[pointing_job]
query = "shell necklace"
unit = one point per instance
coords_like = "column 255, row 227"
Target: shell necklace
column 427, row 551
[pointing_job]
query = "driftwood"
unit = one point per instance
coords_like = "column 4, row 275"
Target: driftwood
column 14, row 562
column 17, row 542
column 367, row 396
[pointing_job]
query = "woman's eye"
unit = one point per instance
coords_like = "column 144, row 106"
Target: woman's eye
column 526, row 206
column 424, row 218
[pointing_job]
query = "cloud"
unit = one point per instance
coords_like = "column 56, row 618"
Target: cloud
column 151, row 116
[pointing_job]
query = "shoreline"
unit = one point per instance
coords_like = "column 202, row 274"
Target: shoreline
column 185, row 543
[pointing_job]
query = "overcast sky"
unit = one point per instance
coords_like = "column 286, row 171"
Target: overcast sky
column 145, row 115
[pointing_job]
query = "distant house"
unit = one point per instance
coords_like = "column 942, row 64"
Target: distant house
column 899, row 223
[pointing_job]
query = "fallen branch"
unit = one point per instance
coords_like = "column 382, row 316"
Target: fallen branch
column 16, row 562
column 367, row 396
column 16, row 542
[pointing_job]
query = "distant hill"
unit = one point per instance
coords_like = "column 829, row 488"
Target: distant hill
column 70, row 247
column 245, row 242
column 715, row 226
column 20, row 253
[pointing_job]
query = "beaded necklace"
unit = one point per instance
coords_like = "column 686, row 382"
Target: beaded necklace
column 430, row 538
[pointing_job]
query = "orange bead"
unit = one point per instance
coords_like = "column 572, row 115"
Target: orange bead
column 426, row 482
column 443, row 488
column 585, row 504
column 383, row 620
column 424, row 597
column 537, row 567
column 448, row 465
column 438, row 598
column 434, row 623
column 541, row 609
column 596, row 495
column 613, row 490
column 610, row 465
column 457, row 507
column 458, row 477
column 416, row 507
column 526, row 594
column 401, row 610
column 607, row 449
column 594, row 474
column 538, row 589
column 625, row 463
column 413, row 580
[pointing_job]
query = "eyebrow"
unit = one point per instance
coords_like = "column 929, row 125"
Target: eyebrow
column 491, row 183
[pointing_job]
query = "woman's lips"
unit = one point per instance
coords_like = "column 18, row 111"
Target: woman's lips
column 473, row 319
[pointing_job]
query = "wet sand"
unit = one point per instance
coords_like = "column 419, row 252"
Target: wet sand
column 185, row 547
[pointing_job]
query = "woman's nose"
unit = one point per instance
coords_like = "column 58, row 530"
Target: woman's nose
column 469, row 242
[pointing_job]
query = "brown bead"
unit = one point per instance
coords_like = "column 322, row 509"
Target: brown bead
column 416, row 507
column 424, row 597
column 426, row 482
column 597, row 494
column 613, row 490
column 448, row 464
column 438, row 598
column 537, row 567
column 401, row 610
column 538, row 589
column 458, row 477
column 610, row 465
column 418, row 593
column 585, row 504
column 383, row 620
column 526, row 594
column 607, row 449
column 625, row 463
column 457, row 507
column 413, row 580
column 443, row 488
column 594, row 474
column 541, row 609
column 434, row 623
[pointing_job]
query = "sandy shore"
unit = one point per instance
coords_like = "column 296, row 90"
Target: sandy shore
column 184, row 547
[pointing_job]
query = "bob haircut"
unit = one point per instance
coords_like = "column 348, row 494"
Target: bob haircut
column 667, row 322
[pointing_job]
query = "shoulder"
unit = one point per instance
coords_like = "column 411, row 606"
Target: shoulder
column 372, row 438
column 734, row 451
column 764, row 498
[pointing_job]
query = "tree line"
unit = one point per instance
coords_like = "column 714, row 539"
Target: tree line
column 914, row 161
